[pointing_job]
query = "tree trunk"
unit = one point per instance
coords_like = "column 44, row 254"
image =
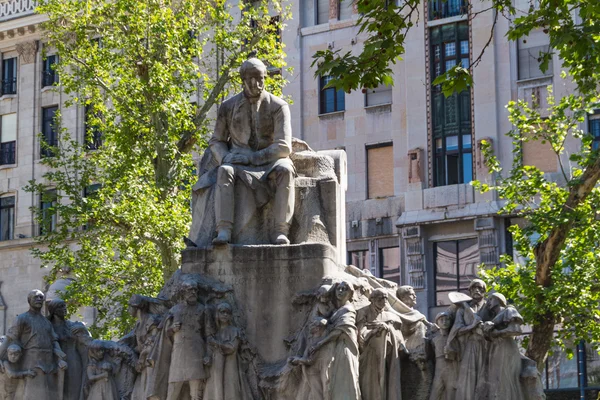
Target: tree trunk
column 541, row 339
column 170, row 260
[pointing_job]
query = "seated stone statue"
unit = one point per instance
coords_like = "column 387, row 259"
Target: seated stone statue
column 252, row 142
column 257, row 184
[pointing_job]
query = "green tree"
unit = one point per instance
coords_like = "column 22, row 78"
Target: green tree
column 558, row 281
column 124, row 207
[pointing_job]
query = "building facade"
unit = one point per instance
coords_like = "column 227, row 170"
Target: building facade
column 412, row 216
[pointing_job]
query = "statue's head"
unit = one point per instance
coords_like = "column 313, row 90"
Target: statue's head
column 13, row 353
column 407, row 295
column 224, row 313
column 378, row 298
column 444, row 320
column 57, row 307
column 477, row 289
column 253, row 73
column 344, row 292
column 35, row 298
column 96, row 349
column 496, row 300
column 189, row 292
column 323, row 293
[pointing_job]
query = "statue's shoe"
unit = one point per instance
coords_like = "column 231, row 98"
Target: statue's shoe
column 223, row 237
column 280, row 238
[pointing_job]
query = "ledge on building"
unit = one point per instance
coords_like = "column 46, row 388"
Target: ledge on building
column 448, row 20
column 379, row 108
column 336, row 115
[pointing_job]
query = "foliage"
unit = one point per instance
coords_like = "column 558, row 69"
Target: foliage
column 560, row 229
column 137, row 66
column 557, row 283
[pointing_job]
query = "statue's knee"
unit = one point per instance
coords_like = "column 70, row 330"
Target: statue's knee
column 225, row 174
column 283, row 175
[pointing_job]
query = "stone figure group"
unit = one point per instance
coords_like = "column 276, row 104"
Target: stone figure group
column 351, row 349
column 191, row 349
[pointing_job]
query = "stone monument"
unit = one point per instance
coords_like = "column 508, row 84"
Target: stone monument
column 264, row 307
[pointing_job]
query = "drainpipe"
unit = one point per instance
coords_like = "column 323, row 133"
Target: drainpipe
column 581, row 368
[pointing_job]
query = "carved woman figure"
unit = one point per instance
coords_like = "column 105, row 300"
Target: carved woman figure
column 227, row 376
column 343, row 370
column 503, row 354
column 73, row 338
column 100, row 374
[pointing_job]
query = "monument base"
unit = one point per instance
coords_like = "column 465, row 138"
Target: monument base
column 264, row 279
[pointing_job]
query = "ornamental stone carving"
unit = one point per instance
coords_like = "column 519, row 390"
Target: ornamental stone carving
column 27, row 51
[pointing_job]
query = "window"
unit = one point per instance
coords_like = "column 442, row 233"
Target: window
column 48, row 212
column 9, row 76
column 49, row 132
column 456, row 264
column 382, row 94
column 380, row 171
column 594, row 126
column 8, row 139
column 331, row 100
column 447, row 8
column 315, row 12
column 49, row 74
column 93, row 135
column 7, row 218
column 360, row 259
column 345, row 9
column 531, row 48
column 451, row 117
column 389, row 260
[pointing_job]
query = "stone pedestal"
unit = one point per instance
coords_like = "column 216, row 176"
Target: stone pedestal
column 264, row 280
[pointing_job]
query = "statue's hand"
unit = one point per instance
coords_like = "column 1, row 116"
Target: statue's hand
column 31, row 373
column 236, row 158
column 176, row 327
column 62, row 364
column 60, row 354
column 207, row 361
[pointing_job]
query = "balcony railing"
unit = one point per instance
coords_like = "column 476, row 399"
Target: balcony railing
column 11, row 9
column 7, row 153
column 439, row 9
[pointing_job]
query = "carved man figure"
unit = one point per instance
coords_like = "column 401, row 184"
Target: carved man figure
column 468, row 329
column 41, row 351
column 180, row 355
column 381, row 344
column 252, row 142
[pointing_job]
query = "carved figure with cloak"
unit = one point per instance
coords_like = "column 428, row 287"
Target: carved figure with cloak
column 381, row 344
column 504, row 357
column 343, row 370
column 74, row 339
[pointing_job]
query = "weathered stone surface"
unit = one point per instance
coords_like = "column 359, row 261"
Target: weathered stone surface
column 264, row 280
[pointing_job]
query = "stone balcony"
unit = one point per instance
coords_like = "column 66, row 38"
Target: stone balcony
column 11, row 9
